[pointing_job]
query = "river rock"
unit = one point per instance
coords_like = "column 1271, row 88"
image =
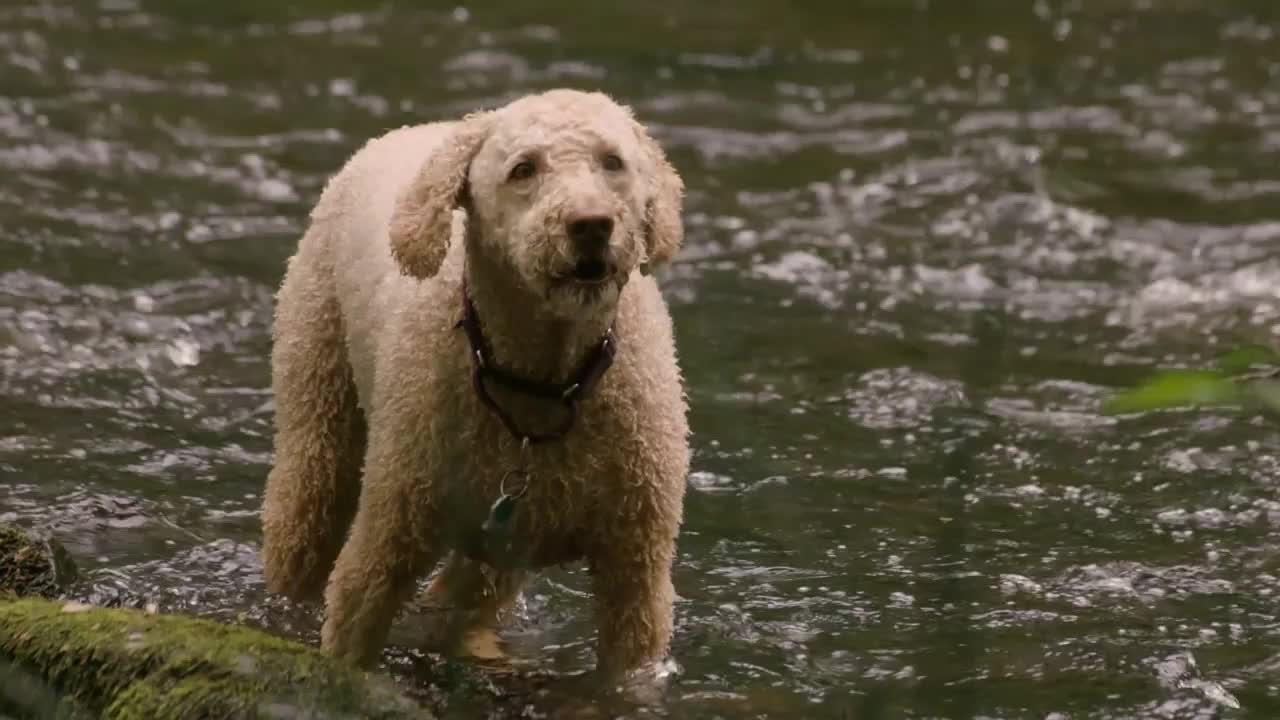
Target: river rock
column 33, row 564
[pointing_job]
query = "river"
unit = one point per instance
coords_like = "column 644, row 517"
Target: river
column 925, row 241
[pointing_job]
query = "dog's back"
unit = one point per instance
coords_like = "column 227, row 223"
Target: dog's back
column 340, row 289
column 349, row 223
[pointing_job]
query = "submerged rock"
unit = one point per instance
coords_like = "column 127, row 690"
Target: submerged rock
column 72, row 660
column 33, row 564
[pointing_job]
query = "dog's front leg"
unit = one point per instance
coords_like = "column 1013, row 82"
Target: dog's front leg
column 631, row 581
column 393, row 542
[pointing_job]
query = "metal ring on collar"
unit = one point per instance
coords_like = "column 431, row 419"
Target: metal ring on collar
column 524, row 484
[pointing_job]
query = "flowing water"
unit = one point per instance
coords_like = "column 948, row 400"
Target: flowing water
column 925, row 241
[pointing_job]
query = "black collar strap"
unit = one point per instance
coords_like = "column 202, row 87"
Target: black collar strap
column 579, row 386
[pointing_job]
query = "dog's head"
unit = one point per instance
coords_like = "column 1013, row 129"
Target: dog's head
column 565, row 187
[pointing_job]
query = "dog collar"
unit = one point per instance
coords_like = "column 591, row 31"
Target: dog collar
column 568, row 394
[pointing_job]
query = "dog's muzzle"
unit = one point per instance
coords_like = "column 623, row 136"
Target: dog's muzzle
column 589, row 234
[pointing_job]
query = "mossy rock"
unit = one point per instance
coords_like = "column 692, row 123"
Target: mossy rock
column 72, row 660
column 33, row 564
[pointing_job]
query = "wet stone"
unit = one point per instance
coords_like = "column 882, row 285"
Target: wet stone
column 33, row 563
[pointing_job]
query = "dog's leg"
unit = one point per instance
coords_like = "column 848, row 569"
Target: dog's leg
column 320, row 431
column 631, row 580
column 372, row 579
column 394, row 540
column 472, row 600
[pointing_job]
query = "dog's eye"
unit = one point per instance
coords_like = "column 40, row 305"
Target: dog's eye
column 611, row 162
column 523, row 170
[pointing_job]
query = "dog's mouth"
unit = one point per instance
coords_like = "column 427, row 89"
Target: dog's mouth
column 588, row 281
column 587, row 272
column 590, row 271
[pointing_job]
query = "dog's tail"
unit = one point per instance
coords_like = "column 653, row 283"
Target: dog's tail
column 314, row 484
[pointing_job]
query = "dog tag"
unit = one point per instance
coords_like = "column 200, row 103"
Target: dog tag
column 500, row 514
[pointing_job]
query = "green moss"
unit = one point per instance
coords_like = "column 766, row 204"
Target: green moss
column 126, row 664
column 33, row 564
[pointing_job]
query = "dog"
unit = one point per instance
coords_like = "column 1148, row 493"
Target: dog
column 473, row 365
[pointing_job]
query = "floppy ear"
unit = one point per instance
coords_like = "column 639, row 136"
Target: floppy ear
column 664, row 230
column 423, row 217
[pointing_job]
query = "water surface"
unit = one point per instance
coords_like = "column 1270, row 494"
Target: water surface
column 925, row 241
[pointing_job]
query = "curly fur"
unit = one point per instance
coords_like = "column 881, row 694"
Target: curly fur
column 371, row 376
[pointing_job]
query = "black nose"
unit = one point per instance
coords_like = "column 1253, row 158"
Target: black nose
column 590, row 234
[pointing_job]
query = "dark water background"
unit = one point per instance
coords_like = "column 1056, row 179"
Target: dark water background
column 925, row 241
